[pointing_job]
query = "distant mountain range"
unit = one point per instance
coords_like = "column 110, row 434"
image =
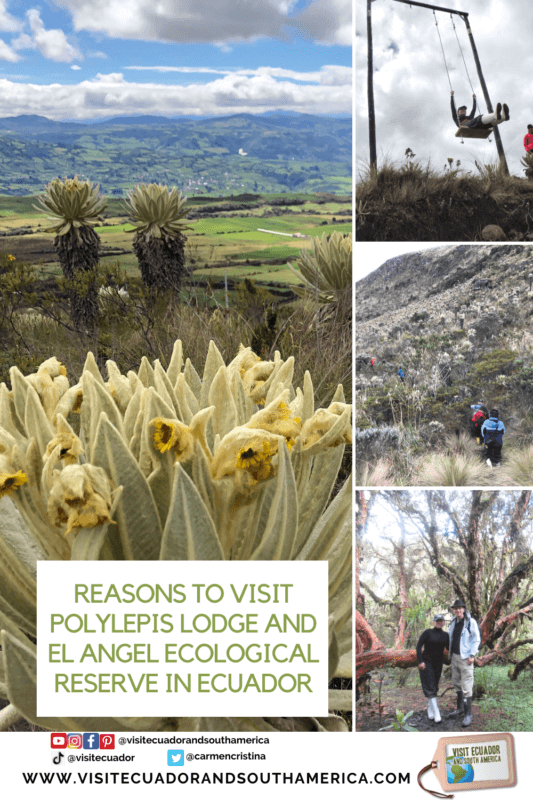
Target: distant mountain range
column 301, row 151
column 330, row 137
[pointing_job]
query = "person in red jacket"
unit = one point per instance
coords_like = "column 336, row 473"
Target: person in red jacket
column 528, row 139
column 481, row 415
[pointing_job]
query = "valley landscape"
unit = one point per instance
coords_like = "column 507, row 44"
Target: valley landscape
column 273, row 152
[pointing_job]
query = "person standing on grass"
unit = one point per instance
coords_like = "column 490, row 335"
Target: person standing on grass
column 465, row 639
column 528, row 139
column 430, row 654
column 401, row 375
column 492, row 432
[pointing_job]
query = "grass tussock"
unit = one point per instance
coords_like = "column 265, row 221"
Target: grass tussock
column 413, row 201
column 517, row 469
column 380, row 474
column 453, row 470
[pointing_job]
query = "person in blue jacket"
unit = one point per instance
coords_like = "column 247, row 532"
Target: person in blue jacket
column 401, row 375
column 465, row 638
column 492, row 432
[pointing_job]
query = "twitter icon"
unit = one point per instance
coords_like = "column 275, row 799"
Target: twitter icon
column 175, row 758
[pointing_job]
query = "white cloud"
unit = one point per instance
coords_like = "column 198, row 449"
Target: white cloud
column 7, row 53
column 97, row 54
column 52, row 43
column 75, row 66
column 211, row 21
column 7, row 22
column 107, row 95
column 329, row 75
column 328, row 22
column 23, row 42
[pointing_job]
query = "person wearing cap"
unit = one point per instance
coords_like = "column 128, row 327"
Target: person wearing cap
column 484, row 121
column 430, row 654
column 528, row 139
column 492, row 432
column 465, row 639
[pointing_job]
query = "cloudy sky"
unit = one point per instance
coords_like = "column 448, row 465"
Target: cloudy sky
column 412, row 93
column 90, row 59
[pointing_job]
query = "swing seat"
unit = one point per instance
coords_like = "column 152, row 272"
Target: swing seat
column 473, row 133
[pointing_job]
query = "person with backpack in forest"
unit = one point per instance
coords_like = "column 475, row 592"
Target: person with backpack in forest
column 481, row 414
column 465, row 638
column 492, row 432
column 430, row 654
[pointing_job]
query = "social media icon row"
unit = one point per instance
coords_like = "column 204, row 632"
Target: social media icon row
column 87, row 741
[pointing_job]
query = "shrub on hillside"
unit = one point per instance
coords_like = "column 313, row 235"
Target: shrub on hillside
column 374, row 443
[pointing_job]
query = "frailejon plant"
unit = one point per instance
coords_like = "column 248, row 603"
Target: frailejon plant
column 157, row 214
column 165, row 464
column 326, row 269
column 76, row 206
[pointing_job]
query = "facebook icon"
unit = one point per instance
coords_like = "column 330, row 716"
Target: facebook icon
column 91, row 741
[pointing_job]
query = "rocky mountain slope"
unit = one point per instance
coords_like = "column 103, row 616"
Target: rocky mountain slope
column 440, row 287
column 458, row 320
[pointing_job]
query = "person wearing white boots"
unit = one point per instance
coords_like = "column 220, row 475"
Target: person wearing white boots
column 430, row 654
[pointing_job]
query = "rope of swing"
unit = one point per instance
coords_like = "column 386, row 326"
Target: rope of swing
column 442, row 48
column 462, row 56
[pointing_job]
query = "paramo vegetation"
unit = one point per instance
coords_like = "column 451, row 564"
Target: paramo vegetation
column 150, row 459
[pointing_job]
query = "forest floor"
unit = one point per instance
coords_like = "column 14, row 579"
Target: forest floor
column 503, row 705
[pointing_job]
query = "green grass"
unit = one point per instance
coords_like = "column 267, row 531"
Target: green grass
column 283, row 251
column 343, row 227
column 507, row 705
column 262, row 274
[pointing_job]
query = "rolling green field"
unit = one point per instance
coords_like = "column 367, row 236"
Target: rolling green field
column 215, row 245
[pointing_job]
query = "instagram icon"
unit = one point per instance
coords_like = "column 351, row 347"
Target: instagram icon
column 74, row 741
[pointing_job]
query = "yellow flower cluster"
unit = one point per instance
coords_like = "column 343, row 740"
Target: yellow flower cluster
column 80, row 497
column 9, row 481
column 231, row 423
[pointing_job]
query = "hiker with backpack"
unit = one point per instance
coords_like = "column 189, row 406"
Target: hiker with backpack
column 492, row 432
column 430, row 654
column 401, row 375
column 465, row 638
column 481, row 414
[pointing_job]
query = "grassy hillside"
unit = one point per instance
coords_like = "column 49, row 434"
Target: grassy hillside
column 412, row 202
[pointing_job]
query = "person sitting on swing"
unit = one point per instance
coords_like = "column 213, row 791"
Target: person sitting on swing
column 483, row 121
